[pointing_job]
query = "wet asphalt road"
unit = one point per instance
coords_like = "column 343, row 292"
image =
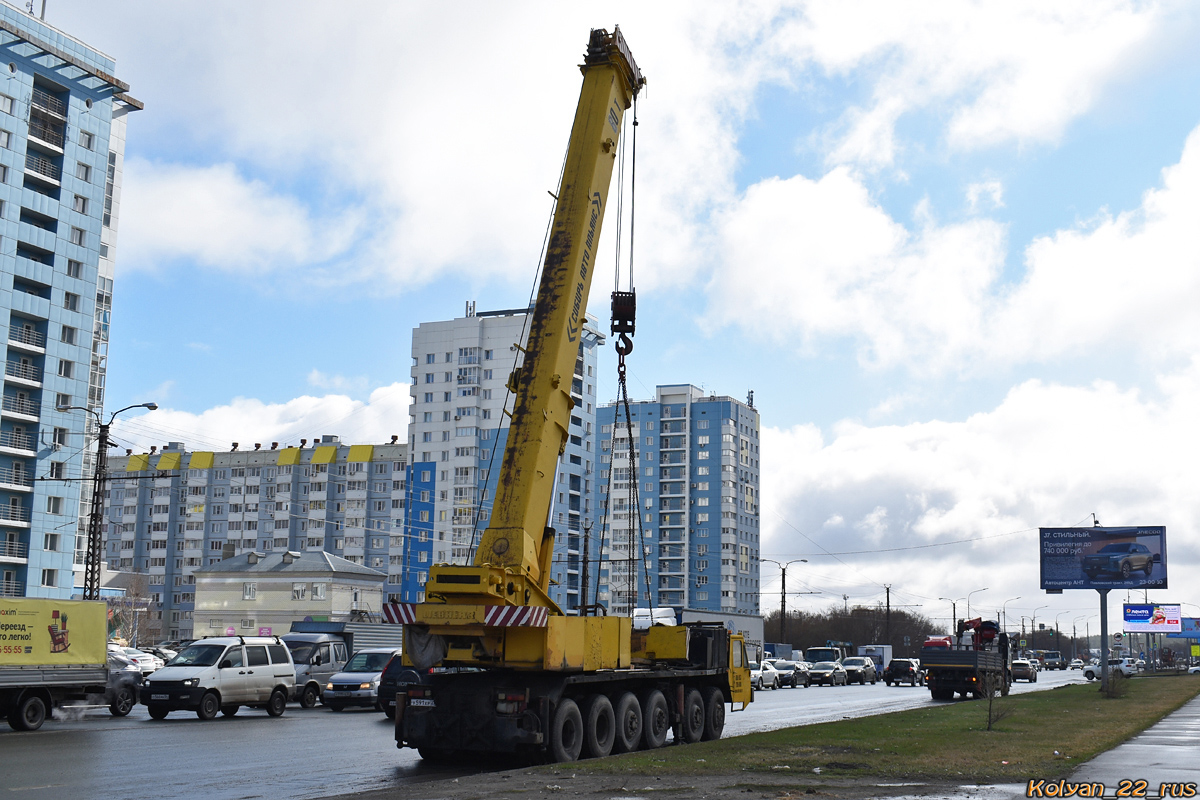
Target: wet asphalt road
column 317, row 753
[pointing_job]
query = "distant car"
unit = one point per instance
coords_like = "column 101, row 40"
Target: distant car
column 1124, row 666
column 395, row 674
column 903, row 670
column 124, row 680
column 1140, row 664
column 166, row 654
column 764, row 676
column 792, row 673
column 1076, row 663
column 1194, row 670
column 358, row 682
column 147, row 662
column 860, row 670
column 1119, row 558
column 828, row 672
column 1024, row 670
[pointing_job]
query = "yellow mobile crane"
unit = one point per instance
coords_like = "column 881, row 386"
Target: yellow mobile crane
column 517, row 673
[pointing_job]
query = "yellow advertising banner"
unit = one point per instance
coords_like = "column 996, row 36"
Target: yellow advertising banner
column 35, row 631
column 1196, row 651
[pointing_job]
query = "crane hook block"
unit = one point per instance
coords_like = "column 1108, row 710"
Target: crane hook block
column 624, row 313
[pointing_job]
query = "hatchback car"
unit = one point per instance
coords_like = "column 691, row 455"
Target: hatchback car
column 903, row 670
column 792, row 673
column 828, row 673
column 358, row 683
column 859, row 670
column 1024, row 670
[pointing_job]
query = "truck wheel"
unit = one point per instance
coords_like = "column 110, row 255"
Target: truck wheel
column 157, row 712
column 693, row 716
column 310, row 696
column 277, row 703
column 434, row 755
column 1033, row 678
column 599, row 727
column 656, row 720
column 714, row 713
column 28, row 714
column 123, row 703
column 210, row 704
column 229, row 711
column 566, row 732
column 629, row 723
column 1005, row 686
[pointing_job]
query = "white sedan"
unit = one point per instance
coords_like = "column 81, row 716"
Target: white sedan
column 763, row 675
column 145, row 661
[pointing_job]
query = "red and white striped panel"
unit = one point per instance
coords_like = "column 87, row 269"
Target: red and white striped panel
column 399, row 613
column 516, row 616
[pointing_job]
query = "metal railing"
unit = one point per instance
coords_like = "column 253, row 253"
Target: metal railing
column 18, row 441
column 15, row 477
column 48, row 102
column 14, row 549
column 14, row 513
column 46, row 133
column 28, row 372
column 11, row 589
column 20, row 405
column 26, row 336
column 42, row 166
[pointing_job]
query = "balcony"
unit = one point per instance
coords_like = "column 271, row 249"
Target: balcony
column 23, row 372
column 15, row 479
column 47, row 102
column 12, row 589
column 46, row 134
column 18, row 515
column 27, row 338
column 19, row 406
column 14, row 550
column 43, row 168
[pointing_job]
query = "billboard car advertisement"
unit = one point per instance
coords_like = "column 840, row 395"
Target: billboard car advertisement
column 1133, row 557
column 1152, row 618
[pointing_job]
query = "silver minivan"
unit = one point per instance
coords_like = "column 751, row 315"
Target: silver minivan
column 318, row 657
column 223, row 674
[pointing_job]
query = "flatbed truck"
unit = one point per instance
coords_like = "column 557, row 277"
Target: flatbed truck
column 973, row 664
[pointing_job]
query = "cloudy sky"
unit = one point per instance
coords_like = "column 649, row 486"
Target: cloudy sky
column 951, row 247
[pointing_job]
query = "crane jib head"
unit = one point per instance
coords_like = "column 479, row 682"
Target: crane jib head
column 589, row 243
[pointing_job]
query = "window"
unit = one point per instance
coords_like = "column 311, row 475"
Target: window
column 5, row 139
column 86, row 140
column 80, row 205
column 6, row 105
column 299, row 591
column 66, row 369
column 54, row 505
column 70, row 301
column 49, row 576
column 249, row 591
column 429, row 377
column 68, row 335
column 429, row 397
column 83, row 171
column 58, row 470
column 318, row 591
column 74, row 269
column 430, row 358
column 50, row 542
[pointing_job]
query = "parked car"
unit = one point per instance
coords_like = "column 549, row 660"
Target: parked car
column 223, row 674
column 828, row 672
column 166, row 654
column 1124, row 666
column 395, row 674
column 147, row 662
column 859, row 670
column 358, row 682
column 1119, row 558
column 791, row 673
column 124, row 680
column 1076, row 663
column 1024, row 670
column 1194, row 670
column 903, row 670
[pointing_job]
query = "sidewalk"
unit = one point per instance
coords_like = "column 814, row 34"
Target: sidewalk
column 1164, row 753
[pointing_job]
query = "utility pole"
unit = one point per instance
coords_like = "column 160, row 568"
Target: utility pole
column 887, row 587
column 783, row 592
column 583, row 587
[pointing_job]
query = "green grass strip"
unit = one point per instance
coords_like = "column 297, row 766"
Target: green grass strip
column 1045, row 734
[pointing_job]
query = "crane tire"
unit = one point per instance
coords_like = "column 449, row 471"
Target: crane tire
column 714, row 713
column 599, row 726
column 694, row 714
column 566, row 732
column 656, row 719
column 628, row 712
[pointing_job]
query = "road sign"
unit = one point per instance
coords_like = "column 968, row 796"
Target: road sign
column 1022, row 643
column 1117, row 636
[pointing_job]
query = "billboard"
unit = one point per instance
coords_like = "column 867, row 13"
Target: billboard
column 1152, row 618
column 43, row 632
column 1190, row 629
column 1133, row 557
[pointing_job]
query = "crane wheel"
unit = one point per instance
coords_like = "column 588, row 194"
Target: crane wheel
column 714, row 713
column 599, row 727
column 628, row 712
column 656, row 718
column 566, row 732
column 694, row 714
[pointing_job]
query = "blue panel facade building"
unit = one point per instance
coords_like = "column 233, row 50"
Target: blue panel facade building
column 693, row 525
column 62, row 139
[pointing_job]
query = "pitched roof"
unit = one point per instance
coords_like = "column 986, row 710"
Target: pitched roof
column 311, row 561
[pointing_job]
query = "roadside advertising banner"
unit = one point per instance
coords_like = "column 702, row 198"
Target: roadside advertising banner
column 1152, row 618
column 1133, row 557
column 35, row 631
column 1189, row 630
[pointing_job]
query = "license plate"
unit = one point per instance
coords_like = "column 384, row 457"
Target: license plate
column 427, row 702
column 160, row 697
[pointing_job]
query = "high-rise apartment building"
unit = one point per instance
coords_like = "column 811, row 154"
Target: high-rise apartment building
column 696, row 519
column 62, row 141
column 458, row 428
column 171, row 512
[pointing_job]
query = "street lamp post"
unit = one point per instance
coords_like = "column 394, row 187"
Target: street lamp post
column 1004, row 614
column 1075, row 636
column 973, row 591
column 953, row 615
column 1033, row 626
column 1058, row 632
column 91, row 575
column 783, row 591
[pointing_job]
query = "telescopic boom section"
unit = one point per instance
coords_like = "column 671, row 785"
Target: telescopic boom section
column 512, row 562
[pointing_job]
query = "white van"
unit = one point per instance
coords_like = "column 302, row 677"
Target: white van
column 223, row 674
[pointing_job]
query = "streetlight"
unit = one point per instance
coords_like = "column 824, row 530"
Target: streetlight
column 973, row 591
column 1003, row 614
column 1058, row 632
column 783, row 590
column 1075, row 636
column 953, row 614
column 1033, row 625
column 91, row 579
